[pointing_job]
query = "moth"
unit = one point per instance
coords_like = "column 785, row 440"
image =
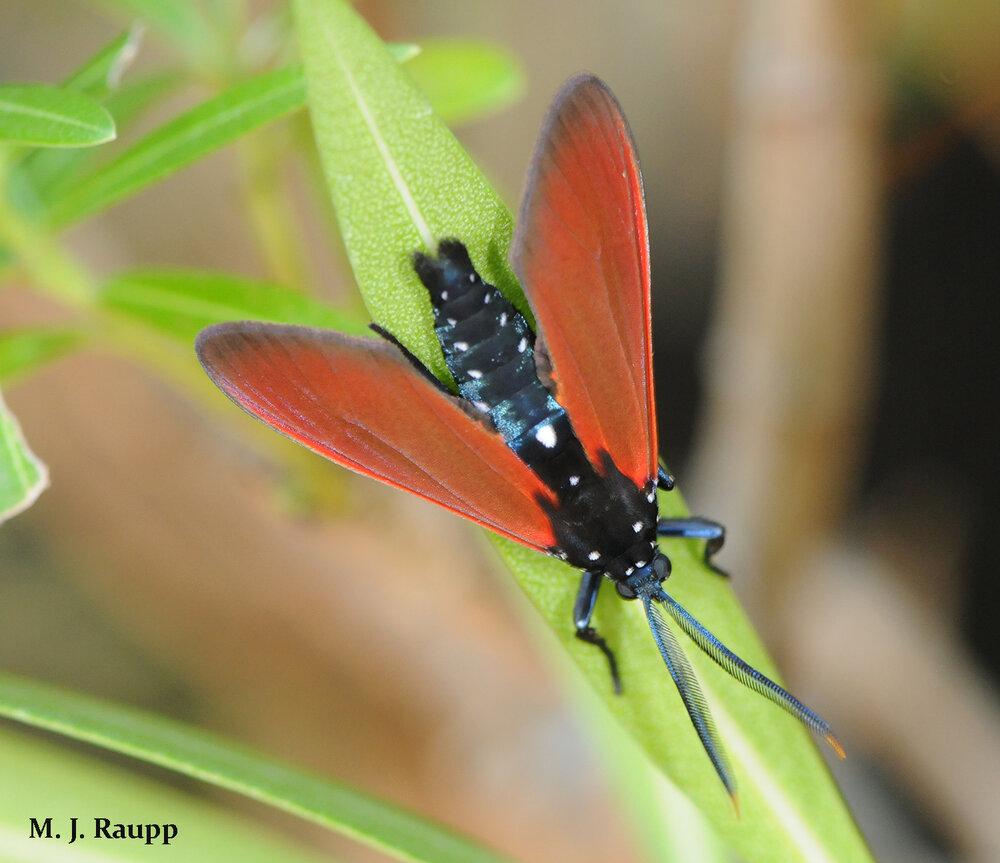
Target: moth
column 550, row 439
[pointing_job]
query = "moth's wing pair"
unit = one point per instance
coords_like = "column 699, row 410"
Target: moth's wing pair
column 581, row 252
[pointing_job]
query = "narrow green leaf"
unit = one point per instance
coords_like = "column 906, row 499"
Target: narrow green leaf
column 22, row 476
column 180, row 303
column 254, row 103
column 44, row 780
column 196, row 133
column 465, row 79
column 102, row 73
column 210, row 759
column 403, row 51
column 139, row 94
column 399, row 179
column 22, row 351
column 46, row 116
column 664, row 821
column 42, row 177
column 399, row 182
column 41, row 170
column 180, row 21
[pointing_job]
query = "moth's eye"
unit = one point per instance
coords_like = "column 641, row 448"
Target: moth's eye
column 624, row 591
column 661, row 566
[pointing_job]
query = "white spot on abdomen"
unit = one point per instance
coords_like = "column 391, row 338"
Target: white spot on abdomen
column 546, row 436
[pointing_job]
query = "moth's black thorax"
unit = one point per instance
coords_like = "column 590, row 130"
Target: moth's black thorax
column 601, row 520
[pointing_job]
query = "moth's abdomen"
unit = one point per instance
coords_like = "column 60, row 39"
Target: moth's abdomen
column 489, row 349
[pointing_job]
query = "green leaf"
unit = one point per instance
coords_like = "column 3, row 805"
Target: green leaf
column 207, row 758
column 41, row 170
column 44, row 780
column 22, row 476
column 180, row 21
column 41, row 179
column 180, row 303
column 196, row 133
column 46, row 116
column 399, row 179
column 139, row 94
column 403, row 51
column 665, row 823
column 22, row 351
column 399, row 182
column 101, row 74
column 465, row 79
column 261, row 100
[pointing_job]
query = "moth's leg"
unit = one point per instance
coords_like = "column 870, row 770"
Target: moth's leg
column 664, row 480
column 419, row 366
column 583, row 610
column 712, row 532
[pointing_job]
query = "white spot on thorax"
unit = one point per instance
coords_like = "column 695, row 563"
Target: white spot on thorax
column 546, row 436
column 475, row 374
column 444, row 295
column 637, row 526
column 651, row 496
column 472, row 277
column 503, row 319
column 574, row 480
column 452, row 322
column 461, row 346
column 485, row 408
column 522, row 345
column 594, row 555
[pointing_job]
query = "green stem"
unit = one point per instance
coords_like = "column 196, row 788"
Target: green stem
column 52, row 270
column 270, row 217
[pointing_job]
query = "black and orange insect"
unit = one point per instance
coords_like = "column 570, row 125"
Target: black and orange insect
column 551, row 438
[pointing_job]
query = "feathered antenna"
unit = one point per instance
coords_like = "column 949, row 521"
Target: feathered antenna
column 687, row 685
column 744, row 672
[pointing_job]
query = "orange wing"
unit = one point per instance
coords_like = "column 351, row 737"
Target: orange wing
column 581, row 252
column 360, row 403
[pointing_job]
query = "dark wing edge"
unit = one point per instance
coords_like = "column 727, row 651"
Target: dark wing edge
column 581, row 252
column 360, row 403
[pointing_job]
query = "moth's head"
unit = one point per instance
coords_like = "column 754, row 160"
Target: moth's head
column 645, row 578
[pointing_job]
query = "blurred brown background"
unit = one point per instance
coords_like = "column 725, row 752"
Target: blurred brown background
column 824, row 202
